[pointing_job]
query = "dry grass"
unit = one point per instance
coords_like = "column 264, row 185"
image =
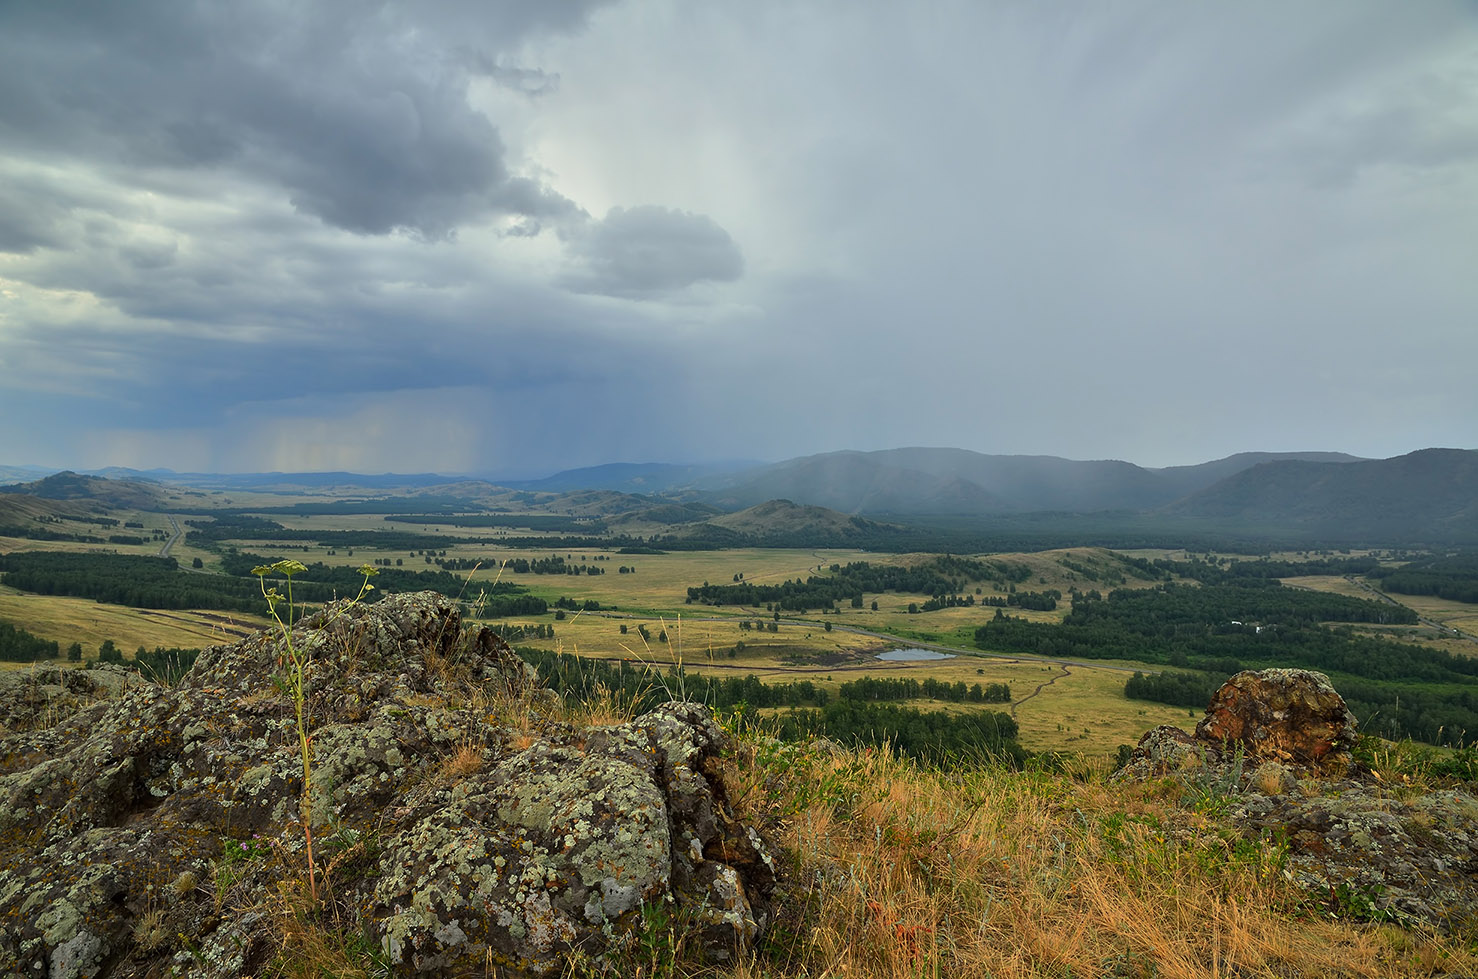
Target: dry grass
column 904, row 872
column 465, row 760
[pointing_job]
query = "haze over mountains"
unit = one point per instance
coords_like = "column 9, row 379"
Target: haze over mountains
column 1428, row 495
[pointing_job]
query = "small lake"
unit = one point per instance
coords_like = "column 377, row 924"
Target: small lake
column 912, row 655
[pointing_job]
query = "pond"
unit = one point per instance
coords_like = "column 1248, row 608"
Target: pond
column 913, row 654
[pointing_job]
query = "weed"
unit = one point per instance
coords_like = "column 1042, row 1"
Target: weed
column 1361, row 902
column 298, row 656
column 1215, row 787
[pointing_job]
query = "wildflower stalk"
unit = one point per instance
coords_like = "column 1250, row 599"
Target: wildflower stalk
column 297, row 679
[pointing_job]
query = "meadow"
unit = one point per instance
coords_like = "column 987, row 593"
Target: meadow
column 1059, row 704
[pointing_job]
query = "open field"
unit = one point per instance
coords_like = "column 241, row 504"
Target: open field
column 1080, row 708
column 1454, row 615
column 1447, row 614
column 69, row 620
column 1083, row 709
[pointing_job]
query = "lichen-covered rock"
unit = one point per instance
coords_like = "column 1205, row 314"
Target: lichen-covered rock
column 1274, row 748
column 42, row 697
column 1164, row 750
column 456, row 821
column 1293, row 716
column 1411, row 860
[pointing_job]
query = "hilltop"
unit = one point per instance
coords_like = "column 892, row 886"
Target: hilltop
column 465, row 821
column 127, row 494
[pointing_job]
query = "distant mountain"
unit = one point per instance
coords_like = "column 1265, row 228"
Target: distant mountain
column 279, row 482
column 21, row 474
column 1425, row 496
column 917, row 481
column 787, row 524
column 629, row 477
column 119, row 493
column 855, row 482
column 1189, row 479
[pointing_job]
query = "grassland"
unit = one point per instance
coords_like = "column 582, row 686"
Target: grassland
column 1076, row 707
column 69, row 620
column 1442, row 614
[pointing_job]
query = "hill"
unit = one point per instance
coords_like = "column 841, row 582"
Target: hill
column 17, row 509
column 630, row 477
column 918, row 481
column 784, row 519
column 1426, row 496
column 125, row 494
column 857, row 482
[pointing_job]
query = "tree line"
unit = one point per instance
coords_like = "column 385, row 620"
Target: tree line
column 946, row 575
column 154, row 582
column 907, row 688
column 1219, row 629
column 541, row 522
column 1454, row 577
column 807, row 710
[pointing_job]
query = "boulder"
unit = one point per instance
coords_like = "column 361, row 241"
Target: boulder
column 1290, row 716
column 1273, row 753
column 457, row 821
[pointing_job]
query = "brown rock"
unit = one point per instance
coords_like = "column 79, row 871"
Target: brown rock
column 1290, row 716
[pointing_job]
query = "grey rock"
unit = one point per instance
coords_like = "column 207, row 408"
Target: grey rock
column 183, row 806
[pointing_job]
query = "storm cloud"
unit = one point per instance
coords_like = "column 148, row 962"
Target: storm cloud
column 648, row 250
column 547, row 234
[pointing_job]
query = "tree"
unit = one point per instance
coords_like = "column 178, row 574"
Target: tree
column 874, row 605
column 197, row 563
column 74, row 653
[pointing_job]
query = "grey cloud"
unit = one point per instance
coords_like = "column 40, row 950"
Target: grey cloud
column 357, row 113
column 529, row 81
column 646, row 251
column 29, row 216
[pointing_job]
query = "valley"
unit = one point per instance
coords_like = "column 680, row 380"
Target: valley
column 677, row 583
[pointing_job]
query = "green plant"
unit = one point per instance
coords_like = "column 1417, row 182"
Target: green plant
column 1363, row 902
column 1216, row 786
column 298, row 654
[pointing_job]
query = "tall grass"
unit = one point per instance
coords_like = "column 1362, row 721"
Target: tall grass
column 902, row 871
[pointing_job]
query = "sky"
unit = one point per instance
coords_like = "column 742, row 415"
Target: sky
column 511, row 238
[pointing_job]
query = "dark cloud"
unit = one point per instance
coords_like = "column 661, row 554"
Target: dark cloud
column 648, row 251
column 359, row 115
column 328, row 223
column 26, row 221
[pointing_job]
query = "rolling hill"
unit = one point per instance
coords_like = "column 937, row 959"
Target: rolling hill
column 124, row 494
column 919, row 481
column 1426, row 496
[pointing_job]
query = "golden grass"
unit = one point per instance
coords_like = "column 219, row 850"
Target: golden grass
column 465, row 760
column 906, row 872
column 69, row 620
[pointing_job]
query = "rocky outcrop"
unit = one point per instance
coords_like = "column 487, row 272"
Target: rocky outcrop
column 1274, row 752
column 1287, row 716
column 458, row 822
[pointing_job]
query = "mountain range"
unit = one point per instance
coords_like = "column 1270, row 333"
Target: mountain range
column 1423, row 496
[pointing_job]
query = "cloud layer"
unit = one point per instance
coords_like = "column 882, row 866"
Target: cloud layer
column 555, row 234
